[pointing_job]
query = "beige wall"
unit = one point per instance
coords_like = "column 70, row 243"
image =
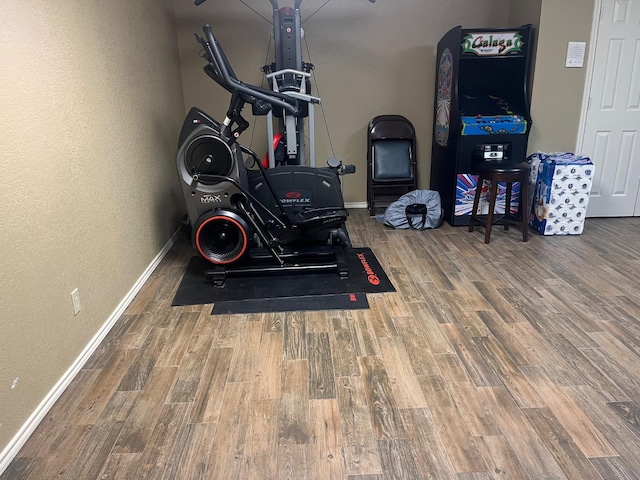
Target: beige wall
column 521, row 13
column 558, row 91
column 370, row 59
column 90, row 106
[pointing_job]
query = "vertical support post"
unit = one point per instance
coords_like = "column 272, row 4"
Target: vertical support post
column 270, row 147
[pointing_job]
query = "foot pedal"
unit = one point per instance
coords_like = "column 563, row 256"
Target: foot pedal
column 318, row 218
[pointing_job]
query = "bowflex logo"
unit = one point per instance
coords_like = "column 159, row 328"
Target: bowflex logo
column 371, row 275
column 295, row 197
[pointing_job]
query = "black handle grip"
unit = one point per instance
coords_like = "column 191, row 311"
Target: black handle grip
column 229, row 81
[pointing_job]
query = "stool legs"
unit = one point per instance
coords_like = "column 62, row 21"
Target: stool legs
column 522, row 220
column 524, row 210
column 476, row 202
column 507, row 203
column 493, row 193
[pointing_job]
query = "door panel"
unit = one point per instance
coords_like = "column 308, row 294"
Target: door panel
column 612, row 127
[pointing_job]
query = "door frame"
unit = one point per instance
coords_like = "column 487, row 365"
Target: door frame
column 593, row 40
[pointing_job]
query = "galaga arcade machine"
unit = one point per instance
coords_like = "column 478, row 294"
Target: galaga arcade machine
column 481, row 112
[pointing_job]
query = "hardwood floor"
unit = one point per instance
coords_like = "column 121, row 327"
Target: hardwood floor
column 508, row 360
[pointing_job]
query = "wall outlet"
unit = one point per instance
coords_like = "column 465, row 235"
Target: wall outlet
column 75, row 298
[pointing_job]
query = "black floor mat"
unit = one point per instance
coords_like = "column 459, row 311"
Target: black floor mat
column 286, row 292
column 338, row 301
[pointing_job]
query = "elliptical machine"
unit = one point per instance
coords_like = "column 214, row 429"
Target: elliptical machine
column 244, row 218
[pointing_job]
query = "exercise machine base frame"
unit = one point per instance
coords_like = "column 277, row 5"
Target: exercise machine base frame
column 259, row 261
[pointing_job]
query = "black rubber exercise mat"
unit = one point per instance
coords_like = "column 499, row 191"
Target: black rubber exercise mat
column 286, row 292
column 338, row 301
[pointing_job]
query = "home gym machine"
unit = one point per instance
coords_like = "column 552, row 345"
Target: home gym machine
column 481, row 111
column 290, row 73
column 245, row 218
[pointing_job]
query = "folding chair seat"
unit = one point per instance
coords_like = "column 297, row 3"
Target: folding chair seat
column 391, row 160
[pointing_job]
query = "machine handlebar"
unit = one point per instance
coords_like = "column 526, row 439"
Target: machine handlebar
column 225, row 76
column 274, row 3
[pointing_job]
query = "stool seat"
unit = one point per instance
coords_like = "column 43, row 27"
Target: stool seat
column 508, row 173
column 504, row 168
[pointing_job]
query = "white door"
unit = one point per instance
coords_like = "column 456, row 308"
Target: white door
column 611, row 128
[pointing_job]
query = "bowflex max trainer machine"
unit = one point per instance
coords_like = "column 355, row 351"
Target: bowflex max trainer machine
column 244, row 218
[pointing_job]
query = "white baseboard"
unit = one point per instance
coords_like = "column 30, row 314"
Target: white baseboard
column 356, row 205
column 17, row 442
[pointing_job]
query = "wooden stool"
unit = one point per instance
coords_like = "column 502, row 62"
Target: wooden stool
column 494, row 172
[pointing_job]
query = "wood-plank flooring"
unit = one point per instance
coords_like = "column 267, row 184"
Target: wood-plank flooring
column 508, row 360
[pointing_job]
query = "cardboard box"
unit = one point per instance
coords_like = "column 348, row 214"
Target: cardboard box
column 560, row 184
